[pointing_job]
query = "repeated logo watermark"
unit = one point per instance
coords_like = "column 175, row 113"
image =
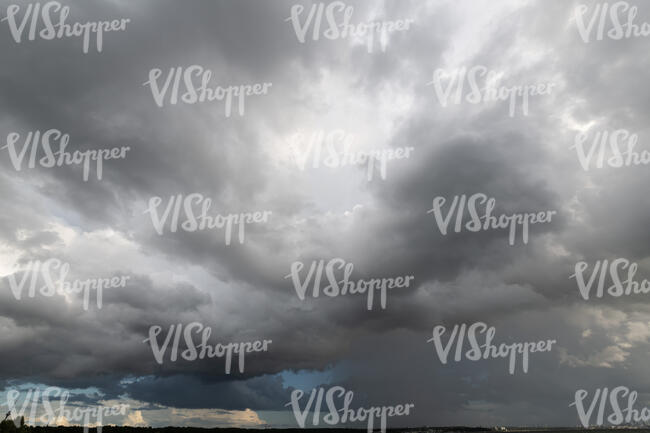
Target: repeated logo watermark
column 483, row 86
column 338, row 275
column 52, row 275
column 191, row 85
column 332, row 149
column 202, row 350
column 612, row 21
column 198, row 219
column 333, row 21
column 48, row 21
column 338, row 402
column 51, row 146
column 336, row 149
column 487, row 350
column 620, row 411
column 34, row 399
column 614, row 149
column 486, row 221
column 621, row 284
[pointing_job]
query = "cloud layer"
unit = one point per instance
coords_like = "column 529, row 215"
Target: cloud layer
column 245, row 163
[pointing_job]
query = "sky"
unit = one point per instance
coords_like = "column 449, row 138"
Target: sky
column 256, row 157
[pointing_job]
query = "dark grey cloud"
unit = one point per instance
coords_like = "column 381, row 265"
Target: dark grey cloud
column 244, row 164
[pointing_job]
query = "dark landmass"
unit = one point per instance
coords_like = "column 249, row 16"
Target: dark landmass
column 453, row 429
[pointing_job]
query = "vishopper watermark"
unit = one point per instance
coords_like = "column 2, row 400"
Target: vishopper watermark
column 486, row 350
column 332, row 21
column 52, row 275
column 45, row 144
column 605, row 150
column 334, row 150
column 612, row 17
column 621, row 411
column 203, row 349
column 488, row 90
column 34, row 398
column 338, row 402
column 199, row 221
column 486, row 221
column 338, row 274
column 195, row 81
column 615, row 268
column 52, row 17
